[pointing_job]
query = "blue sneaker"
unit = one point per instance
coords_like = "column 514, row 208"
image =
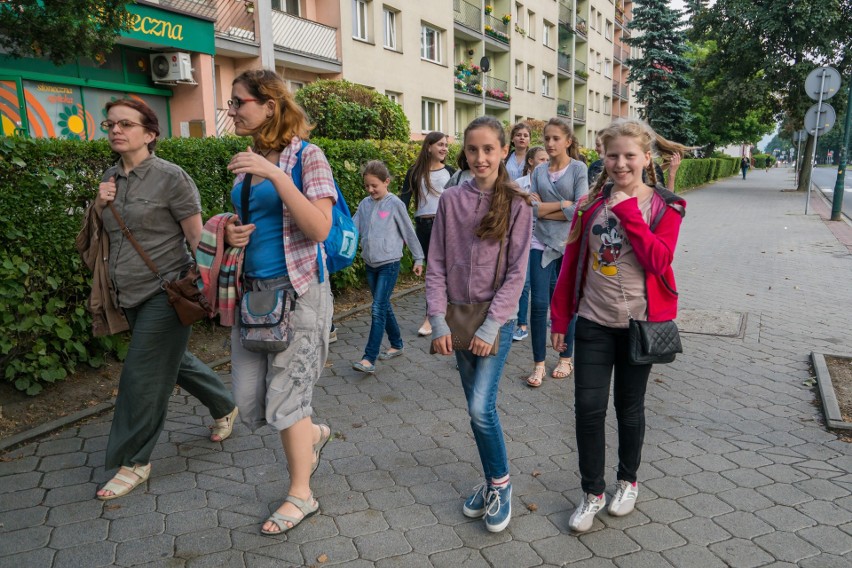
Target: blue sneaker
column 520, row 334
column 498, row 508
column 474, row 507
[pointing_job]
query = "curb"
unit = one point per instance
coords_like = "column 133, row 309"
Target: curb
column 830, row 406
column 843, row 216
column 59, row 423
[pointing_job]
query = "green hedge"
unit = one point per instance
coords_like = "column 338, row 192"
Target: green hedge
column 44, row 327
column 762, row 160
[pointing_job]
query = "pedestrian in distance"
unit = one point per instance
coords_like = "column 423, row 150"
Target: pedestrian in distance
column 384, row 225
column 744, row 165
column 617, row 265
column 556, row 187
column 282, row 252
column 535, row 156
column 519, row 144
column 161, row 206
column 480, row 247
column 424, row 182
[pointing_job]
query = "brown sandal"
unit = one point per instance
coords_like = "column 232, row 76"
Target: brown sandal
column 564, row 369
column 536, row 378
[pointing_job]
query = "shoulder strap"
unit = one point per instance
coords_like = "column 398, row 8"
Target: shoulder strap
column 245, row 192
column 126, row 231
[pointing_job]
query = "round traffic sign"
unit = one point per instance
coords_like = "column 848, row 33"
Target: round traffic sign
column 820, row 122
column 829, row 87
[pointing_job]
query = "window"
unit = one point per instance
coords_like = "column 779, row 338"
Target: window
column 530, row 78
column 390, row 29
column 519, row 15
column 519, row 74
column 289, row 6
column 430, row 44
column 608, row 30
column 607, row 108
column 592, row 18
column 530, row 24
column 431, row 111
column 607, row 68
column 395, row 97
column 295, row 86
column 359, row 20
column 598, row 63
column 547, row 34
column 546, row 81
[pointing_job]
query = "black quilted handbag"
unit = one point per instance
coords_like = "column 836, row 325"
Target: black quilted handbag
column 653, row 342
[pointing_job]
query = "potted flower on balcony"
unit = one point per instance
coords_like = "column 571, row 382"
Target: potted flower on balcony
column 488, row 9
column 582, row 74
column 459, row 84
column 507, row 18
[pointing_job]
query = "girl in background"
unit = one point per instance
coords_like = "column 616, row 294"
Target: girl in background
column 556, row 187
column 481, row 242
column 535, row 156
column 425, row 181
column 617, row 262
column 516, row 163
column 383, row 222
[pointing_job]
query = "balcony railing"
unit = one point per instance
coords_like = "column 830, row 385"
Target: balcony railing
column 619, row 90
column 475, row 84
column 497, row 28
column 497, row 89
column 203, row 8
column 232, row 21
column 563, row 107
column 304, row 36
column 581, row 27
column 467, row 14
column 563, row 62
column 579, row 112
column 566, row 9
column 224, row 123
column 619, row 54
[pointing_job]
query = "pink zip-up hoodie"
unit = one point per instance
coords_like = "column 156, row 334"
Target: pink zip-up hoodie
column 461, row 266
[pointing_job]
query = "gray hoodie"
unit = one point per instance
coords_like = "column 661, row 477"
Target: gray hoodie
column 384, row 226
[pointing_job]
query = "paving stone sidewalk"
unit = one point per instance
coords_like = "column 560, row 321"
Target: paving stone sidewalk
column 737, row 469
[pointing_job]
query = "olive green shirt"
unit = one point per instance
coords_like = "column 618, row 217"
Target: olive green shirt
column 152, row 200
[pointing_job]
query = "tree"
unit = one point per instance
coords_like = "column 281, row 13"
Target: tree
column 770, row 47
column 62, row 30
column 661, row 71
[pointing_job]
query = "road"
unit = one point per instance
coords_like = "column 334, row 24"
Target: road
column 824, row 178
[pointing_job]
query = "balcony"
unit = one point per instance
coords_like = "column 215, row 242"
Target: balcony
column 474, row 83
column 304, row 38
column 566, row 9
column 563, row 107
column 579, row 113
column 232, row 22
column 469, row 17
column 581, row 28
column 580, row 72
column 204, row 8
column 497, row 29
column 619, row 54
column 619, row 90
column 563, row 63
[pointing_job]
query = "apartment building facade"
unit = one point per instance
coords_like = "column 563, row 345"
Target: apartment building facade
column 547, row 58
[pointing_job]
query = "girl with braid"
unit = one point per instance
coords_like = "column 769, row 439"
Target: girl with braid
column 618, row 261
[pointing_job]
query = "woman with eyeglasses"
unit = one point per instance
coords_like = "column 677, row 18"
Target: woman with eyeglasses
column 160, row 205
column 287, row 223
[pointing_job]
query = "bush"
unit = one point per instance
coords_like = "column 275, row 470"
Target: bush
column 762, row 160
column 346, row 111
column 698, row 171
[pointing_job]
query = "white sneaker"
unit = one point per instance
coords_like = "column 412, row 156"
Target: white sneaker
column 584, row 516
column 624, row 499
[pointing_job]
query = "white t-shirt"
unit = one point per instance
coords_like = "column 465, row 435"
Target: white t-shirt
column 428, row 204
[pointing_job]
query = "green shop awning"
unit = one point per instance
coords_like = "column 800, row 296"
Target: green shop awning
column 153, row 26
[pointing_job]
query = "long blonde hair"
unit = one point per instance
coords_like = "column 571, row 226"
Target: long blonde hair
column 495, row 224
column 288, row 119
column 648, row 140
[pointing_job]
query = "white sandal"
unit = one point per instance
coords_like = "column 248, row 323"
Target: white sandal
column 127, row 484
column 224, row 426
column 536, row 378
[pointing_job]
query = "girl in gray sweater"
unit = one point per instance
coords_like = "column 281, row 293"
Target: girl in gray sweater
column 383, row 223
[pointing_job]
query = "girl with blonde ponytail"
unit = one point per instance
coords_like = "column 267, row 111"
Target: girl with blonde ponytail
column 617, row 266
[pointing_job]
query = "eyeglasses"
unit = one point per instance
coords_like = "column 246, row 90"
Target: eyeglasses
column 122, row 124
column 237, row 103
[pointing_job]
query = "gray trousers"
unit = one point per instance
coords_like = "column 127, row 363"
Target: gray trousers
column 156, row 361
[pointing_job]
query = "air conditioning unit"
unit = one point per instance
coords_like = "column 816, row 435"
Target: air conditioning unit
column 172, row 67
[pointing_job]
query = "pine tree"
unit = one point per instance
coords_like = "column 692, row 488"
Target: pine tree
column 661, row 71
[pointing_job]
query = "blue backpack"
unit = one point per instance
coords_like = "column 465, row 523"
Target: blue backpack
column 342, row 241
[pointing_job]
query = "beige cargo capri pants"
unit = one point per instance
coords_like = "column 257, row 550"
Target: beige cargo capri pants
column 277, row 388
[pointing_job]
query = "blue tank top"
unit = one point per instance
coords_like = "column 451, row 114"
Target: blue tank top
column 264, row 256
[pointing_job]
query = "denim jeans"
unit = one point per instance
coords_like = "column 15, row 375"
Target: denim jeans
column 599, row 349
column 480, row 378
column 381, row 280
column 524, row 302
column 542, row 283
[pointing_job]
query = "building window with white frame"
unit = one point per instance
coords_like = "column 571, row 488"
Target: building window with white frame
column 430, row 115
column 546, row 83
column 390, row 29
column 531, row 24
column 608, row 30
column 519, row 15
column 395, row 97
column 519, row 74
column 430, row 44
column 360, row 20
column 548, row 34
column 607, row 68
column 607, row 105
column 289, row 6
column 530, row 78
column 294, row 86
